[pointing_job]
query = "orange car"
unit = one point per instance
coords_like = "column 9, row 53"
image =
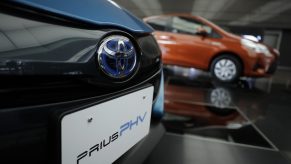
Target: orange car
column 192, row 41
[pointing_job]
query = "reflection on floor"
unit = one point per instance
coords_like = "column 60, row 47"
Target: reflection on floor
column 252, row 113
column 174, row 149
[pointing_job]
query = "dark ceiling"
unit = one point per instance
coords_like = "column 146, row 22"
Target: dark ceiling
column 251, row 13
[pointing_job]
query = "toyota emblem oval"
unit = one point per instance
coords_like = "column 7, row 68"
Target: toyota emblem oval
column 117, row 56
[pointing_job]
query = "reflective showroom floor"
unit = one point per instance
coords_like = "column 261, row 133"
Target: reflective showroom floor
column 207, row 122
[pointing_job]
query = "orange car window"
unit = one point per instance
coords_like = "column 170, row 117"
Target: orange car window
column 160, row 23
column 188, row 26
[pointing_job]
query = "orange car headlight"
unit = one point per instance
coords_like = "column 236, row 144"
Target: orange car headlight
column 256, row 47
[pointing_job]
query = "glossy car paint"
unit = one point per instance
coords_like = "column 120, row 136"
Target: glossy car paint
column 199, row 51
column 101, row 13
column 48, row 65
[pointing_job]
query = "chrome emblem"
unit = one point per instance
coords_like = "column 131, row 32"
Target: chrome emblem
column 117, row 56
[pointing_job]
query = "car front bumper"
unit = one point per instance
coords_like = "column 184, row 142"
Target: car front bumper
column 261, row 66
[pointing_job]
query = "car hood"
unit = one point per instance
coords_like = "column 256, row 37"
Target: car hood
column 98, row 12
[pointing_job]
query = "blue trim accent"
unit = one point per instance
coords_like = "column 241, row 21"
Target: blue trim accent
column 158, row 107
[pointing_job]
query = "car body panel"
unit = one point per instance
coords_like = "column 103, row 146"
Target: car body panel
column 100, row 13
column 198, row 51
column 31, row 47
column 183, row 48
column 48, row 67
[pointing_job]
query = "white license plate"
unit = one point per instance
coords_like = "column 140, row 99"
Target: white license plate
column 102, row 133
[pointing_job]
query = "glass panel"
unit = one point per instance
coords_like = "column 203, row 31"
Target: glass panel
column 159, row 23
column 188, row 26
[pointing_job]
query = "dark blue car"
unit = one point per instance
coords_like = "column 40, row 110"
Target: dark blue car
column 81, row 83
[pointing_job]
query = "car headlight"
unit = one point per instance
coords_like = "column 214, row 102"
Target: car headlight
column 249, row 44
column 256, row 47
column 263, row 49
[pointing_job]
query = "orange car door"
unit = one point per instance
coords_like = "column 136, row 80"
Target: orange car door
column 182, row 46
